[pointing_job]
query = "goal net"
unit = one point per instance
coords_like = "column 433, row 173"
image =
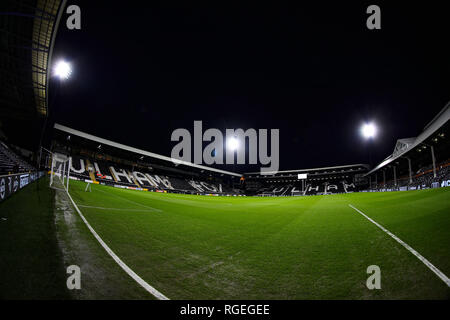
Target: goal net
column 59, row 170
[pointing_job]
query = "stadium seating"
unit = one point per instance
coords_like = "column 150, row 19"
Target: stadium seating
column 423, row 179
column 79, row 168
column 133, row 175
column 313, row 187
column 11, row 162
column 119, row 175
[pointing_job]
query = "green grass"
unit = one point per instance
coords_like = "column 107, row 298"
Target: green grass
column 30, row 260
column 40, row 236
column 200, row 247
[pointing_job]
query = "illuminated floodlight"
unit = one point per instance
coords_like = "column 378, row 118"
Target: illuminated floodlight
column 62, row 70
column 368, row 130
column 232, row 143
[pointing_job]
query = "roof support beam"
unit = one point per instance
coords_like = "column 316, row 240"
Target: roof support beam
column 434, row 161
column 395, row 175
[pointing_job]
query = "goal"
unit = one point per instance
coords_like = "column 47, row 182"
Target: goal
column 59, row 170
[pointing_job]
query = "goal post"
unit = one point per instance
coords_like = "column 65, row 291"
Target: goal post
column 60, row 170
column 60, row 166
column 69, row 165
column 88, row 187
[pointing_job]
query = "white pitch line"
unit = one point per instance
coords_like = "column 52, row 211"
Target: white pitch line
column 430, row 266
column 122, row 264
column 119, row 209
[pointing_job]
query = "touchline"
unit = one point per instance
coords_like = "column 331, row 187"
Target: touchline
column 218, row 152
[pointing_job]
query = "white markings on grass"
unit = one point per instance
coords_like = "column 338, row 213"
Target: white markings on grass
column 121, row 209
column 122, row 264
column 430, row 266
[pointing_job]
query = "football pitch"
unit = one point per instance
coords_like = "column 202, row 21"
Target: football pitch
column 317, row 247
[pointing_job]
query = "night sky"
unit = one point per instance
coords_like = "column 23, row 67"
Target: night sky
column 314, row 72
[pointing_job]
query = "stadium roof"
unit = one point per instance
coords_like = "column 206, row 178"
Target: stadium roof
column 139, row 151
column 403, row 146
column 27, row 35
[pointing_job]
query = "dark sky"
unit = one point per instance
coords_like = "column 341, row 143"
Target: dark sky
column 313, row 71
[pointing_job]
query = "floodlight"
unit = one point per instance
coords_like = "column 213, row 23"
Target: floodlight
column 62, row 70
column 368, row 130
column 232, row 143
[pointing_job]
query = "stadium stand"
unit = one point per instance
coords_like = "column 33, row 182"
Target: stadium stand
column 423, row 179
column 118, row 175
column 10, row 162
column 319, row 181
column 327, row 186
column 112, row 164
column 417, row 163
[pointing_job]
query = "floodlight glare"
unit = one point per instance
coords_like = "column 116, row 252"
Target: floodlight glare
column 232, row 143
column 368, row 130
column 62, row 70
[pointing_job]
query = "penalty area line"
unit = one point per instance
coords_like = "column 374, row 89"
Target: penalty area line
column 430, row 266
column 122, row 264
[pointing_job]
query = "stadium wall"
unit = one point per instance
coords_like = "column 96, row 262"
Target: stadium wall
column 10, row 184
